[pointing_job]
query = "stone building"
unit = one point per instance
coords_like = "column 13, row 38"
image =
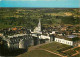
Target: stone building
column 21, row 41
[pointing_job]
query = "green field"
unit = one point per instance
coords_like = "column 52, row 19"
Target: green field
column 28, row 17
column 71, row 52
column 38, row 53
column 77, row 55
column 53, row 47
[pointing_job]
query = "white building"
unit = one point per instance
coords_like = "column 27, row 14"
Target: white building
column 38, row 28
column 63, row 41
column 53, row 32
column 46, row 38
column 68, row 40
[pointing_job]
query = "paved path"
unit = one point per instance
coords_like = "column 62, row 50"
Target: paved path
column 77, row 52
column 54, row 53
column 70, row 49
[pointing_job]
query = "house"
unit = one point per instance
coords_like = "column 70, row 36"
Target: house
column 45, row 38
column 64, row 28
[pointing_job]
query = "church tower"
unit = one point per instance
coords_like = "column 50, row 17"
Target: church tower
column 39, row 25
column 38, row 28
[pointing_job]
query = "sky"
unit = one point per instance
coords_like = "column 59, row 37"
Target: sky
column 34, row 0
column 41, row 3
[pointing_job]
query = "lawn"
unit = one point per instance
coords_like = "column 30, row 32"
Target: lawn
column 71, row 52
column 37, row 53
column 77, row 55
column 77, row 49
column 54, row 46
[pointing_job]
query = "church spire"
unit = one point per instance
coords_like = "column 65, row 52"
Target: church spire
column 39, row 25
column 38, row 28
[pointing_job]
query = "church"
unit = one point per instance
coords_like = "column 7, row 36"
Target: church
column 42, row 38
column 38, row 28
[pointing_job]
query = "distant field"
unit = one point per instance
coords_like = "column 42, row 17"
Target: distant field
column 28, row 17
column 56, row 14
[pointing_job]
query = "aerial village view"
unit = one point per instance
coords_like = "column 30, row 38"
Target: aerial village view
column 40, row 32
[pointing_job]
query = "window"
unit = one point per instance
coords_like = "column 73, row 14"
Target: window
column 56, row 39
column 68, row 42
column 60, row 40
